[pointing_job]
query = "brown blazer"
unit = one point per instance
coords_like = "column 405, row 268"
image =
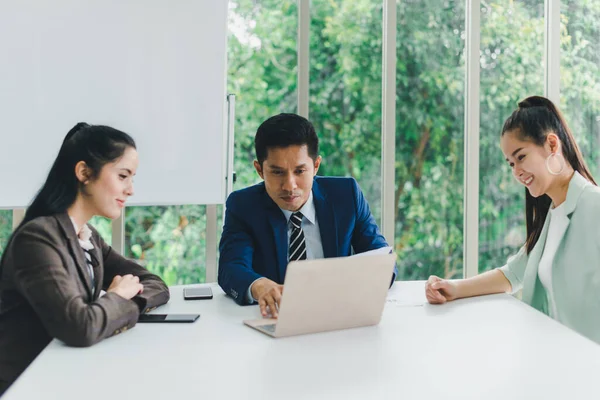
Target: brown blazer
column 46, row 293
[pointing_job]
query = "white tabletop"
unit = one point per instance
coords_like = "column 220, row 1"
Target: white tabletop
column 491, row 347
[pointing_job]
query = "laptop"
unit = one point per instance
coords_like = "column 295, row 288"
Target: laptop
column 330, row 294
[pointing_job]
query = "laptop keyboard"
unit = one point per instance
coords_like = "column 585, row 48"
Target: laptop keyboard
column 269, row 327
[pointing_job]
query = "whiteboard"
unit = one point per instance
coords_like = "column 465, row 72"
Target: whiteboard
column 155, row 69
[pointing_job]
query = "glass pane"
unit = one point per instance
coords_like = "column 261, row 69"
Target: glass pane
column 169, row 241
column 580, row 76
column 220, row 222
column 262, row 71
column 429, row 138
column 345, row 91
column 5, row 228
column 104, row 227
column 512, row 49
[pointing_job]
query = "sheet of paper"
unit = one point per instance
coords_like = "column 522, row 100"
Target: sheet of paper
column 381, row 250
column 406, row 295
column 397, row 298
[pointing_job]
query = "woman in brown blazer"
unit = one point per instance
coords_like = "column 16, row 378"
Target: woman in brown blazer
column 55, row 265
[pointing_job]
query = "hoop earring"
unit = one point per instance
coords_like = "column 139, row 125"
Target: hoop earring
column 562, row 165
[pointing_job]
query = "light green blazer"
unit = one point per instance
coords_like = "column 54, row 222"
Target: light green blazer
column 576, row 264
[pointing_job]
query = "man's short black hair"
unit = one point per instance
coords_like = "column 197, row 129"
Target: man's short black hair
column 285, row 130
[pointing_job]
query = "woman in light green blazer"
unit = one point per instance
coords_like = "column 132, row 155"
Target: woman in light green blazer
column 558, row 267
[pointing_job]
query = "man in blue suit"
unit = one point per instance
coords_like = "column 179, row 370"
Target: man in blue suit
column 292, row 215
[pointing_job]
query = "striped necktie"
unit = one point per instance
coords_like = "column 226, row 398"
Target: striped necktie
column 91, row 262
column 297, row 242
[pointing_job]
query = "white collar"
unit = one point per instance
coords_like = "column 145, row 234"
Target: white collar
column 308, row 210
column 84, row 235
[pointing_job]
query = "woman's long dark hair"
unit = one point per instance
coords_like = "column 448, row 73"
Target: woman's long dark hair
column 97, row 146
column 532, row 121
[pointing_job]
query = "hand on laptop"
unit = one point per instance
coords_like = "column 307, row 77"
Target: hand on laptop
column 268, row 293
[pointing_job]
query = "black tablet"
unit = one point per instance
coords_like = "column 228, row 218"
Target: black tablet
column 168, row 317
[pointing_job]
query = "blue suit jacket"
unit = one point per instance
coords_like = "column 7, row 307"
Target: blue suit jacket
column 254, row 240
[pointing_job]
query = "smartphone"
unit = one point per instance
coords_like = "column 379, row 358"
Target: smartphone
column 198, row 293
column 168, row 317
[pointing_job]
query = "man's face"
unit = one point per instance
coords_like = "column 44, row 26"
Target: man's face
column 288, row 173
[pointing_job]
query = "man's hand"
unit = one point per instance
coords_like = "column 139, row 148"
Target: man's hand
column 268, row 294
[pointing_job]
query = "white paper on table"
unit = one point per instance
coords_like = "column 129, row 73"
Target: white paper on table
column 381, row 250
column 399, row 300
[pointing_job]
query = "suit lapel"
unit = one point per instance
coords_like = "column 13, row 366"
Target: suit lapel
column 531, row 284
column 327, row 223
column 76, row 251
column 531, row 272
column 576, row 187
column 279, row 227
column 98, row 268
column 533, row 292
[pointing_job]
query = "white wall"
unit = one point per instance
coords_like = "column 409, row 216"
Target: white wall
column 152, row 68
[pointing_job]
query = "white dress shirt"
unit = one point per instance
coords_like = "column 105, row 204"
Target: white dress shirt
column 84, row 235
column 310, row 226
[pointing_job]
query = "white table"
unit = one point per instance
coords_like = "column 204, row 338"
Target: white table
column 492, row 347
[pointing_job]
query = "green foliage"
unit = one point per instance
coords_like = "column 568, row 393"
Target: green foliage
column 169, row 241
column 512, row 43
column 580, row 75
column 345, row 90
column 262, row 71
column 429, row 138
column 5, row 228
column 104, row 227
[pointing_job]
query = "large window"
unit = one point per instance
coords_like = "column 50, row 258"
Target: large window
column 580, row 76
column 262, row 71
column 429, row 138
column 512, row 51
column 169, row 241
column 104, row 227
column 345, row 90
